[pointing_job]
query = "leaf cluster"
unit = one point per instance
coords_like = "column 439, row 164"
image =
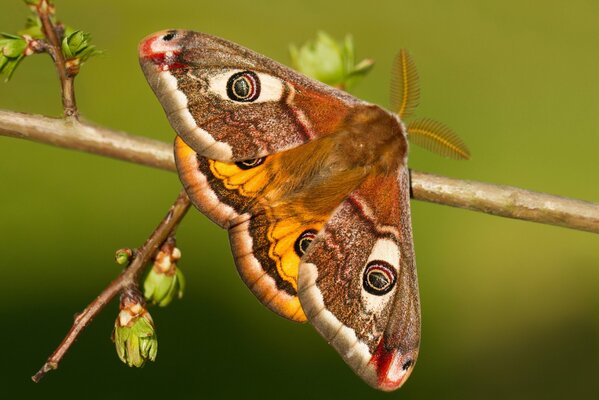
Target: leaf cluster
column 75, row 45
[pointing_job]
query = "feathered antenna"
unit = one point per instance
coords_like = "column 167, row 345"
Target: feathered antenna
column 427, row 133
column 438, row 138
column 405, row 91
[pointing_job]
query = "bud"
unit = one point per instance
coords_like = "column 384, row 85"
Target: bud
column 165, row 281
column 45, row 6
column 330, row 61
column 134, row 335
column 77, row 49
column 123, row 256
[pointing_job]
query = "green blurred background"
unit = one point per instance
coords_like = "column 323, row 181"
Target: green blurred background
column 510, row 309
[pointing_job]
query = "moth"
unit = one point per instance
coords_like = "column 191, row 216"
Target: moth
column 312, row 185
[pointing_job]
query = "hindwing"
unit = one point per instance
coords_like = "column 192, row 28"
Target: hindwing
column 268, row 237
column 358, row 284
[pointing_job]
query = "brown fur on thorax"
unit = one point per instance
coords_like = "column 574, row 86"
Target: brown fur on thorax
column 317, row 176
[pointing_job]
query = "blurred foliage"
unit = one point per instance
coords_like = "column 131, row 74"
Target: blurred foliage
column 330, row 61
column 75, row 45
column 510, row 309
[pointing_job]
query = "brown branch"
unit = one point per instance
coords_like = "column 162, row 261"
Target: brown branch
column 54, row 48
column 126, row 279
column 71, row 134
column 505, row 201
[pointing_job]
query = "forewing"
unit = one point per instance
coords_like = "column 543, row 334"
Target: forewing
column 358, row 283
column 198, row 77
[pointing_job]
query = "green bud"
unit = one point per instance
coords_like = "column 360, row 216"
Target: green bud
column 76, row 44
column 44, row 6
column 329, row 61
column 321, row 59
column 165, row 281
column 134, row 336
column 123, row 256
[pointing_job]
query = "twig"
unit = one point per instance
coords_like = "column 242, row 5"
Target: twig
column 126, row 279
column 85, row 137
column 505, row 201
column 67, row 80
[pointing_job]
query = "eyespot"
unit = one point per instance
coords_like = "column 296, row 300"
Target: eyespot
column 249, row 164
column 169, row 36
column 303, row 241
column 243, row 86
column 379, row 277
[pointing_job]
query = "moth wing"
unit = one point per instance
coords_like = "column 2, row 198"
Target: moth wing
column 221, row 191
column 267, row 243
column 267, row 249
column 358, row 284
column 198, row 78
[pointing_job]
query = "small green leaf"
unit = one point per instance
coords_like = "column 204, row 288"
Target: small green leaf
column 162, row 288
column 10, row 36
column 14, row 48
column 12, row 52
column 33, row 28
column 181, row 279
column 9, row 68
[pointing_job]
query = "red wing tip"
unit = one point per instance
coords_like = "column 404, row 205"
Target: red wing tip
column 162, row 48
column 392, row 368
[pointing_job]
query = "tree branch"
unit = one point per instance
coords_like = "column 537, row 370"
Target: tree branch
column 127, row 278
column 505, row 201
column 67, row 79
column 71, row 134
